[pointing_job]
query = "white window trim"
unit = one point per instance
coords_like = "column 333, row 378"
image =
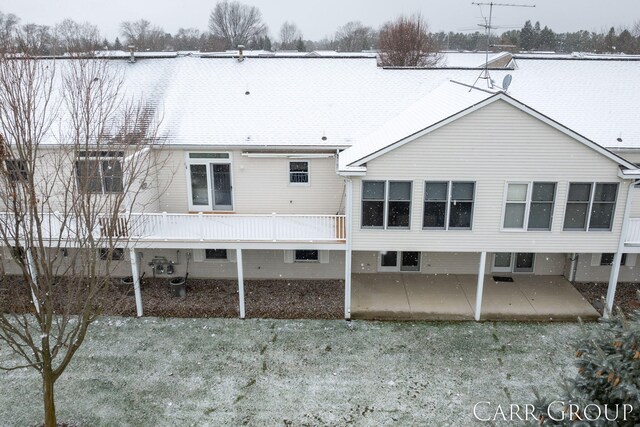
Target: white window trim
column 447, row 206
column 99, row 160
column 527, row 208
column 397, row 268
column 299, row 184
column 208, row 162
column 199, row 255
column 587, row 227
column 512, row 266
column 385, row 206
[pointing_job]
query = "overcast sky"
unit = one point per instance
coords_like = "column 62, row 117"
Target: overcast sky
column 320, row 18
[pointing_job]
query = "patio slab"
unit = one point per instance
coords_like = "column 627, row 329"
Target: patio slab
column 409, row 296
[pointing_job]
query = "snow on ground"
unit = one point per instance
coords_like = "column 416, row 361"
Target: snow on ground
column 216, row 372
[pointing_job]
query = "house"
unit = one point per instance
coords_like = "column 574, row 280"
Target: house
column 334, row 168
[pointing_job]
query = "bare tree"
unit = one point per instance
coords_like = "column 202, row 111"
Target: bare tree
column 8, row 26
column 290, row 36
column 74, row 37
column 406, row 42
column 187, row 39
column 236, row 23
column 355, row 37
column 143, row 35
column 74, row 152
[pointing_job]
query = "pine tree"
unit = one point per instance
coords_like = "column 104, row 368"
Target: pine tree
column 527, row 37
column 610, row 40
column 608, row 365
column 117, row 45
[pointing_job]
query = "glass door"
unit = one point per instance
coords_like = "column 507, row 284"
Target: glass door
column 502, row 262
column 524, row 263
column 221, row 178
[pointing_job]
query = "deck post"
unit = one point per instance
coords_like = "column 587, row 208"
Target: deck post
column 615, row 266
column 480, row 287
column 347, row 252
column 240, row 281
column 34, row 279
column 135, row 273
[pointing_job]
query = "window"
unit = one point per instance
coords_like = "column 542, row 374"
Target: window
column 399, row 205
column 215, row 254
column 448, row 205
column 16, row 169
column 592, row 204
column 306, row 256
column 607, row 259
column 99, row 172
column 382, row 211
column 209, row 176
column 373, row 196
column 115, row 254
column 529, row 206
column 299, row 172
column 399, row 261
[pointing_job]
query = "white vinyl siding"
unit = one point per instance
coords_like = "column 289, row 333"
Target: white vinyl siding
column 260, row 186
column 522, row 149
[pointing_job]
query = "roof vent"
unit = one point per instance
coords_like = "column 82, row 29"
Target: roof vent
column 240, row 52
column 619, row 139
column 132, row 56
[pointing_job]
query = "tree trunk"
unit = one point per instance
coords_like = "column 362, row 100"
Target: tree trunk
column 49, row 405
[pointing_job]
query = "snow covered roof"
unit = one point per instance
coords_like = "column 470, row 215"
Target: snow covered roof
column 336, row 102
column 469, row 59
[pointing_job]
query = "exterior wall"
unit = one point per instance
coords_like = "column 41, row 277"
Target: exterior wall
column 635, row 206
column 491, row 146
column 260, row 185
column 585, row 272
column 458, row 263
column 258, row 264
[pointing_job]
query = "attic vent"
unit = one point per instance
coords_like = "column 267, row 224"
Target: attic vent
column 324, row 138
column 619, row 139
column 247, row 93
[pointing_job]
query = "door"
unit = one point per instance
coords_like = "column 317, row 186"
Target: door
column 502, row 262
column 221, row 177
column 505, row 262
column 399, row 261
column 523, row 263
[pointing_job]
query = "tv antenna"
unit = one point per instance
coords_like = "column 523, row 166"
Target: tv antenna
column 488, row 27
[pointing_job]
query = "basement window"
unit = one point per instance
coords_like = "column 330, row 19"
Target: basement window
column 115, row 254
column 215, row 254
column 607, row 259
column 306, row 256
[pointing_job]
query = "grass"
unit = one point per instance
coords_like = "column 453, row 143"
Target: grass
column 153, row 371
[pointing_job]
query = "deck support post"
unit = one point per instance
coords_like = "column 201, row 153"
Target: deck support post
column 615, row 266
column 480, row 287
column 240, row 281
column 34, row 279
column 347, row 252
column 135, row 273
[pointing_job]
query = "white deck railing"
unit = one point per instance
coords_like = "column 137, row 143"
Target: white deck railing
column 201, row 227
column 633, row 232
column 235, row 227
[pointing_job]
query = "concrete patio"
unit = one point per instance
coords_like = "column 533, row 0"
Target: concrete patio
column 410, row 296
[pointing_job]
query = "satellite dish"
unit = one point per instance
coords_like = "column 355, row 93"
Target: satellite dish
column 506, row 82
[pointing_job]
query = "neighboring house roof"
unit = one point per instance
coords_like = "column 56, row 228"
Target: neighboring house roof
column 471, row 59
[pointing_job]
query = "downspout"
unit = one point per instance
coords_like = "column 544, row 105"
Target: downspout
column 615, row 267
column 574, row 266
column 347, row 260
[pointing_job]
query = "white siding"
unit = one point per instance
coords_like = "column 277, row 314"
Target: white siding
column 261, row 185
column 458, row 263
column 491, row 146
column 585, row 272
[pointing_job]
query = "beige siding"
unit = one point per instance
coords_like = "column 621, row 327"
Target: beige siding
column 491, row 146
column 457, row 263
column 635, row 207
column 261, row 185
column 585, row 272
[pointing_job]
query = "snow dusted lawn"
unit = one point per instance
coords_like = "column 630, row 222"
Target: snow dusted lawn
column 153, row 371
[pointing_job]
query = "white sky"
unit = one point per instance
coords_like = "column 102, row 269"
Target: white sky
column 320, row 18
